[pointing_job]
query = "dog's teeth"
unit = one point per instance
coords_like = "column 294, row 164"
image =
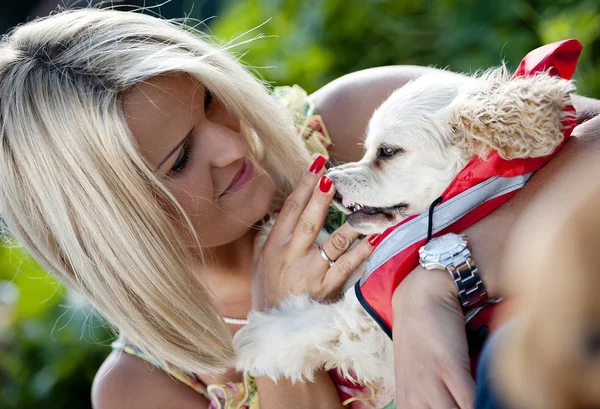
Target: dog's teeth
column 347, row 202
column 358, row 207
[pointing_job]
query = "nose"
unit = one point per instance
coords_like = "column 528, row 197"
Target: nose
column 223, row 146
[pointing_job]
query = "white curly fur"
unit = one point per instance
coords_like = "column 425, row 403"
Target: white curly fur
column 301, row 336
column 519, row 118
column 440, row 121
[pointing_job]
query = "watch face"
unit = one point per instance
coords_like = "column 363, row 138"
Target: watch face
column 449, row 243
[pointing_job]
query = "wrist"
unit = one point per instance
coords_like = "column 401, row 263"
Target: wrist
column 451, row 252
column 426, row 285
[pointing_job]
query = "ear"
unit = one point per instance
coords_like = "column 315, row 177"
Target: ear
column 519, row 117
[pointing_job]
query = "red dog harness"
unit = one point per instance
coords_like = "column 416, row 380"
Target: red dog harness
column 481, row 187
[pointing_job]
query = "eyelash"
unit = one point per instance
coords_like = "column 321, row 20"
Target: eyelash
column 182, row 160
column 184, row 156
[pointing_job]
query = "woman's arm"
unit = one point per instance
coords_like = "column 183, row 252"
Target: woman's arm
column 429, row 337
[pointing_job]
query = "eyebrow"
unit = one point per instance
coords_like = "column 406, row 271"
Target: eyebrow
column 181, row 142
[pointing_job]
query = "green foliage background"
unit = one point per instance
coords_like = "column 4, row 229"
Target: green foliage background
column 318, row 41
column 50, row 349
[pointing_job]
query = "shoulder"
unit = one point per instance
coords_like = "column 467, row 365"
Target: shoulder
column 347, row 103
column 126, row 381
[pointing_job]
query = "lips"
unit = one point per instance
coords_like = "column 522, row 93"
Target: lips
column 243, row 176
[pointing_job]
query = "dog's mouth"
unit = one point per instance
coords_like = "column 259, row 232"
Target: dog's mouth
column 354, row 209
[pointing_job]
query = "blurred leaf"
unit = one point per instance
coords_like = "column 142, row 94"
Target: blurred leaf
column 37, row 290
column 318, row 41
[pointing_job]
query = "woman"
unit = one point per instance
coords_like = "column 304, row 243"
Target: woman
column 137, row 162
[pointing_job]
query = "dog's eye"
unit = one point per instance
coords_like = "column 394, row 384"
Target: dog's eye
column 387, row 151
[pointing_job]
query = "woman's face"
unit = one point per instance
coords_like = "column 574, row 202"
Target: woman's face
column 192, row 139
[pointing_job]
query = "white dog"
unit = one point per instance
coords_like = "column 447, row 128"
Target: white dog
column 417, row 142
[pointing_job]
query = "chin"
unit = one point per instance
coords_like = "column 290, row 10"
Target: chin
column 236, row 215
column 254, row 200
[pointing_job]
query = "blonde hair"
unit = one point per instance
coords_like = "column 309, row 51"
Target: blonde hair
column 77, row 193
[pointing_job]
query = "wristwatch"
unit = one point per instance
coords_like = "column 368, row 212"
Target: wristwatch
column 451, row 252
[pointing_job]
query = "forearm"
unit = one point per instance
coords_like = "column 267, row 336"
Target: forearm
column 320, row 394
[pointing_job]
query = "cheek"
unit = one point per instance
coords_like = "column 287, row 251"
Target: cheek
column 194, row 192
column 196, row 197
column 405, row 169
column 221, row 221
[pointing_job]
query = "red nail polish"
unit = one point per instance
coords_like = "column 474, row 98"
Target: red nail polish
column 317, row 164
column 325, row 184
column 276, row 212
column 374, row 240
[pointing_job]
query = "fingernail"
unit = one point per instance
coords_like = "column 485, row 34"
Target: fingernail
column 325, row 184
column 374, row 240
column 317, row 164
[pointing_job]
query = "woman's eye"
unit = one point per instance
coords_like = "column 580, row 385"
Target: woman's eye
column 387, row 151
column 208, row 99
column 181, row 161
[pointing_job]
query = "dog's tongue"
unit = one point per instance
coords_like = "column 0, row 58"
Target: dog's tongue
column 347, row 202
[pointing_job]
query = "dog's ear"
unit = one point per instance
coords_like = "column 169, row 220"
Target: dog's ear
column 519, row 118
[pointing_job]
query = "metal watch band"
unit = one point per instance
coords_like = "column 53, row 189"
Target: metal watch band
column 471, row 291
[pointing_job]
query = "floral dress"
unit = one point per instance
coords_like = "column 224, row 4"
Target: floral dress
column 244, row 395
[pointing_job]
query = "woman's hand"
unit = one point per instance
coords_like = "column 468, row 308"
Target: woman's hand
column 289, row 262
column 430, row 344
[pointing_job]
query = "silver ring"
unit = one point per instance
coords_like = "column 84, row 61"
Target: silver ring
column 326, row 257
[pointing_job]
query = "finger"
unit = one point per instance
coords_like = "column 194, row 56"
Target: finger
column 344, row 266
column 340, row 241
column 297, row 201
column 311, row 221
column 462, row 387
